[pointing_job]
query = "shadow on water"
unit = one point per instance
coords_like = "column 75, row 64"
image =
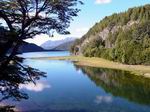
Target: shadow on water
column 11, row 76
column 120, row 83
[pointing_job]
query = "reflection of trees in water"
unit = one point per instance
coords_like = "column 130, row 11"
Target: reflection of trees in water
column 121, row 83
column 11, row 76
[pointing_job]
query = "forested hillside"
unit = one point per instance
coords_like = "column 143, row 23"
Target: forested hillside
column 123, row 37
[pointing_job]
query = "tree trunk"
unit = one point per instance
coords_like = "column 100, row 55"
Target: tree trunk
column 12, row 55
column 5, row 48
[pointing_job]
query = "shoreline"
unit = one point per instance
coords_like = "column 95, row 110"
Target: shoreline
column 103, row 63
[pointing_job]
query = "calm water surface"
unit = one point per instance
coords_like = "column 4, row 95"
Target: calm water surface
column 71, row 88
column 45, row 54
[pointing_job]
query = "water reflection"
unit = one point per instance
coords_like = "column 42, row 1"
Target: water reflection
column 12, row 75
column 71, row 88
column 38, row 87
column 103, row 99
column 45, row 54
column 120, row 83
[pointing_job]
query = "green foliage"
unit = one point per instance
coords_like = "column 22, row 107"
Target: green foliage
column 121, row 19
column 130, row 45
column 73, row 48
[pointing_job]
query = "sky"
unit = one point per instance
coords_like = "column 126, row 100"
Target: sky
column 91, row 12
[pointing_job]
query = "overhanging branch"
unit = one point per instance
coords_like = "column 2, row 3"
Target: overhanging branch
column 9, row 23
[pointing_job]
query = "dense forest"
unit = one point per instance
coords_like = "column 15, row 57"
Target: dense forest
column 123, row 37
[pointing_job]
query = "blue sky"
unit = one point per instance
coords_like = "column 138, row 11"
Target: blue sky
column 91, row 12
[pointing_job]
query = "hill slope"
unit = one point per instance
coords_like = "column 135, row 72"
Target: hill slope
column 64, row 47
column 28, row 47
column 123, row 37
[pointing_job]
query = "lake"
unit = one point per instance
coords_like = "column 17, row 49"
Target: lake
column 72, row 88
column 45, row 54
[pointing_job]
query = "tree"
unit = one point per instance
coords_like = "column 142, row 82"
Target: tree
column 27, row 18
column 20, row 20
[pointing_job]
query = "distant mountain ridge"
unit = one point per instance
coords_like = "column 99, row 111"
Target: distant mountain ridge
column 58, row 45
column 63, row 44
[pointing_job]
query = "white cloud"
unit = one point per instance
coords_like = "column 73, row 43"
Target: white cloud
column 103, row 1
column 84, row 29
column 39, row 39
column 80, row 31
column 75, row 32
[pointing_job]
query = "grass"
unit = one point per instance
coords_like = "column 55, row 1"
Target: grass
column 102, row 63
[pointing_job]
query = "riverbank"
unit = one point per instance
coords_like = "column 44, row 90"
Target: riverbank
column 102, row 63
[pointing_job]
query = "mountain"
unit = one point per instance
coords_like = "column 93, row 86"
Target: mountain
column 63, row 44
column 122, row 37
column 28, row 47
column 59, row 45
